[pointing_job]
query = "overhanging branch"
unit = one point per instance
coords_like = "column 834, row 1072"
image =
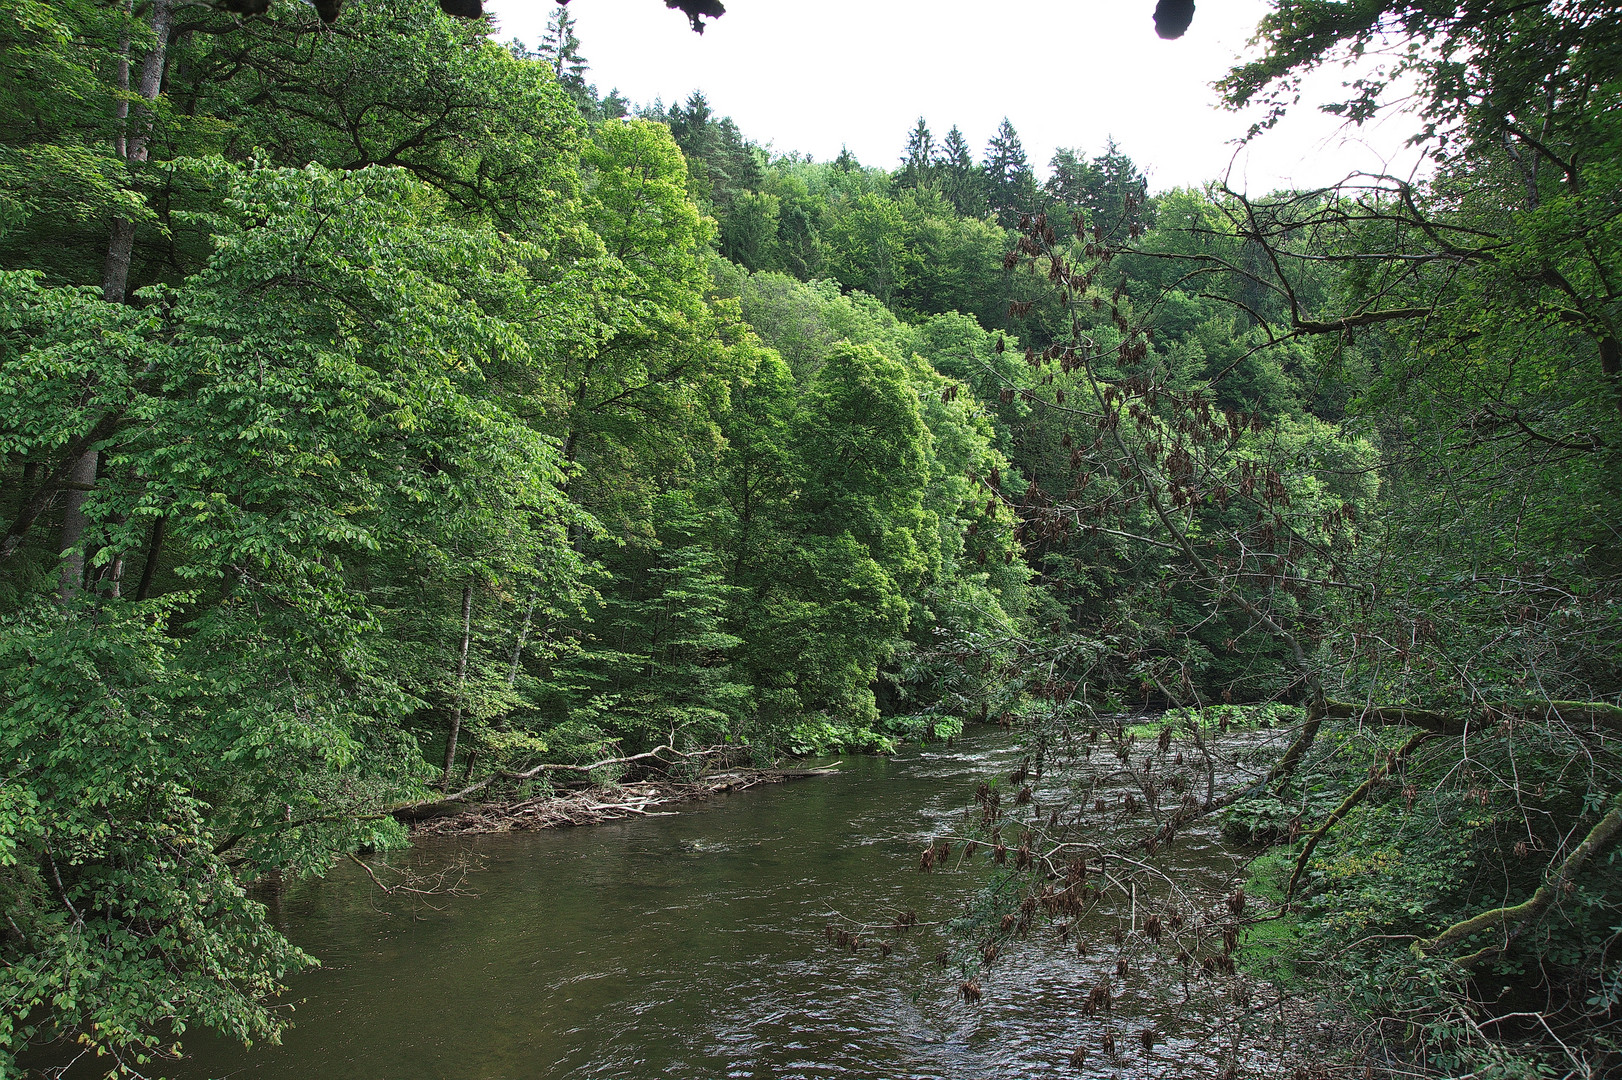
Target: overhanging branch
column 1346, row 807
column 1512, row 920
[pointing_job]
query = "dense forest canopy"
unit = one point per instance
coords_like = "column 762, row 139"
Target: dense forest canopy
column 386, row 416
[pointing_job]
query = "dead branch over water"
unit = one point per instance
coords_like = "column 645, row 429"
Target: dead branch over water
column 593, row 805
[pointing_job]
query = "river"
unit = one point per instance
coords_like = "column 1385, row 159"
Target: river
column 693, row 946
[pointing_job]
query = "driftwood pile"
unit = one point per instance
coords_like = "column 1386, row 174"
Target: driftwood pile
column 590, row 806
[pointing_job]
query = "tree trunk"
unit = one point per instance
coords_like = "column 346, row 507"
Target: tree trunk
column 518, row 646
column 461, row 684
column 81, row 478
column 41, row 498
column 1610, row 359
column 150, row 570
column 132, row 143
column 110, row 582
column 122, row 109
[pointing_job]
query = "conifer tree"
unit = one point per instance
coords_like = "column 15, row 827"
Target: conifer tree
column 722, row 163
column 1098, row 189
column 1010, row 184
column 918, row 163
column 615, row 106
column 961, row 182
column 560, row 49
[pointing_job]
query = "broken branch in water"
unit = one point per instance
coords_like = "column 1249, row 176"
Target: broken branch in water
column 595, row 805
column 436, row 884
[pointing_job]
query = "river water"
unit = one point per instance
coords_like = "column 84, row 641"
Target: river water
column 693, row 946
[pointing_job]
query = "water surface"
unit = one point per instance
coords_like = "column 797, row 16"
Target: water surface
column 692, row 946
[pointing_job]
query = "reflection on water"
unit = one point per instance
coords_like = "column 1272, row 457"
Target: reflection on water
column 691, row 946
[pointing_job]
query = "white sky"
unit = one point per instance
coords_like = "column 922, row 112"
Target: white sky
column 812, row 75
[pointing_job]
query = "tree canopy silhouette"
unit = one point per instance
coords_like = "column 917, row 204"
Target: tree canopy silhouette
column 1172, row 17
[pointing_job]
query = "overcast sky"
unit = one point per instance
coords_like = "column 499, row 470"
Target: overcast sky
column 813, row 75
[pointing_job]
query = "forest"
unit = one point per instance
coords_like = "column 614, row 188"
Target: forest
column 389, row 418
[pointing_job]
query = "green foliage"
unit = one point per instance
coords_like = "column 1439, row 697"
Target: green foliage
column 397, row 84
column 862, row 539
column 318, row 424
column 449, row 403
column 820, row 736
column 660, row 667
column 1219, row 719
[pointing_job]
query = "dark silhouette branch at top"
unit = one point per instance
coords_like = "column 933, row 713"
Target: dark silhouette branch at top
column 695, row 10
column 1172, row 17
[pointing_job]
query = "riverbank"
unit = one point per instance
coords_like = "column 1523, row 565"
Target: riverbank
column 590, row 805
